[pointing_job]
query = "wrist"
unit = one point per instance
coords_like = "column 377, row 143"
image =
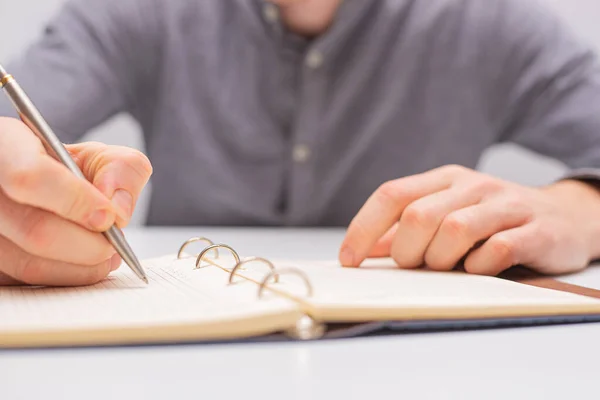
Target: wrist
column 581, row 201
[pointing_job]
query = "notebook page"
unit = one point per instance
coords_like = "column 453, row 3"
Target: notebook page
column 380, row 285
column 177, row 294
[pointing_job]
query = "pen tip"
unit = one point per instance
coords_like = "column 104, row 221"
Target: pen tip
column 2, row 71
column 145, row 279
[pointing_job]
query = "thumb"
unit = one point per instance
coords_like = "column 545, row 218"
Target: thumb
column 120, row 173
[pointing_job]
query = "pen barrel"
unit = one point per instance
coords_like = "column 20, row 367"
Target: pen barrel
column 31, row 116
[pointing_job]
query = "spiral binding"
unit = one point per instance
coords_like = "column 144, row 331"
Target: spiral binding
column 240, row 264
column 193, row 240
column 306, row 327
column 275, row 274
column 215, row 247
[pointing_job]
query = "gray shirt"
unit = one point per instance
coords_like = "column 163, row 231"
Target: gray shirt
column 248, row 124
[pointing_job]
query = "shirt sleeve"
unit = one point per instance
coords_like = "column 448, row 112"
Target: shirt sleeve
column 92, row 61
column 545, row 85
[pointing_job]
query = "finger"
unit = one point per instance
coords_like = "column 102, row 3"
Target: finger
column 384, row 207
column 383, row 246
column 120, row 173
column 32, row 270
column 34, row 178
column 420, row 221
column 546, row 250
column 500, row 252
column 461, row 230
column 6, row 280
column 47, row 235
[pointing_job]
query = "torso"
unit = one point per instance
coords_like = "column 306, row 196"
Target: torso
column 265, row 129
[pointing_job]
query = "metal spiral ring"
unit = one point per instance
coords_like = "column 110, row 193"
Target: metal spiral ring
column 216, row 246
column 277, row 273
column 193, row 240
column 252, row 259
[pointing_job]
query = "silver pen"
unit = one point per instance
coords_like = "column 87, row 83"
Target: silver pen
column 34, row 120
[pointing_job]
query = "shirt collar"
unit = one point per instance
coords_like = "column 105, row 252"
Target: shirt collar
column 349, row 15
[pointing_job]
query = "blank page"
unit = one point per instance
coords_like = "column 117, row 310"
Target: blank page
column 380, row 290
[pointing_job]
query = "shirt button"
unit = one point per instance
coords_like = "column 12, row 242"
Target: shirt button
column 301, row 153
column 271, row 13
column 314, row 59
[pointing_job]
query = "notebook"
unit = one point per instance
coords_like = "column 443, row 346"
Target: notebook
column 217, row 295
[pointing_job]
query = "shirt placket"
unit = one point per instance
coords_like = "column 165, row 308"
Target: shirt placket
column 302, row 195
column 304, row 139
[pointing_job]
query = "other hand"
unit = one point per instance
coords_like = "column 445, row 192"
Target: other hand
column 453, row 215
column 50, row 220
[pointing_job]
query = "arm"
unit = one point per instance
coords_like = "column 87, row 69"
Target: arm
column 546, row 82
column 92, row 62
column 552, row 104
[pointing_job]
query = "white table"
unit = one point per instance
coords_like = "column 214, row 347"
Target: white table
column 531, row 363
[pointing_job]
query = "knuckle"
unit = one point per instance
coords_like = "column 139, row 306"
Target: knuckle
column 20, row 180
column 85, row 150
column 92, row 153
column 515, row 202
column 93, row 144
column 453, row 169
column 455, row 226
column 486, row 185
column 518, row 203
column 417, row 216
column 503, row 249
column 388, row 192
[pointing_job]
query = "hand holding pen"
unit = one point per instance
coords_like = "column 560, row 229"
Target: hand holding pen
column 60, row 205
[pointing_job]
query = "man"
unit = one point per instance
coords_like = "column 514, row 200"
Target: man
column 307, row 112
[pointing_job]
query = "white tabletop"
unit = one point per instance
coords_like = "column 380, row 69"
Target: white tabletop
column 530, row 363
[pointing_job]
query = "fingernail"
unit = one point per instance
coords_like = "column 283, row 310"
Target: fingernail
column 123, row 201
column 347, row 257
column 115, row 262
column 99, row 219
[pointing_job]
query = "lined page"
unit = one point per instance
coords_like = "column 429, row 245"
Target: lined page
column 177, row 294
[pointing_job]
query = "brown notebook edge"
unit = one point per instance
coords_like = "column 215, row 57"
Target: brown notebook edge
column 528, row 277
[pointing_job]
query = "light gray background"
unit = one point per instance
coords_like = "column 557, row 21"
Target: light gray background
column 27, row 18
